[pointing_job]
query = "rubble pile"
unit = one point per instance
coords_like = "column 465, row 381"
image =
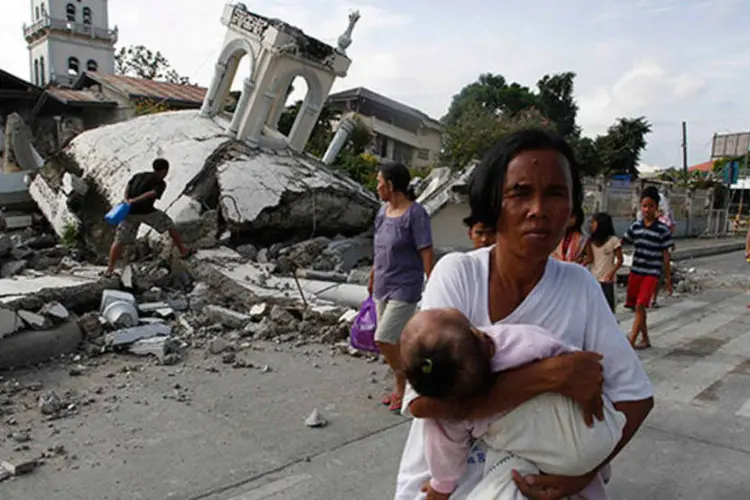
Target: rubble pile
column 692, row 280
column 34, row 251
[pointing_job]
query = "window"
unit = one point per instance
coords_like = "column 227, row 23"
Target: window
column 42, row 77
column 36, row 71
column 87, row 16
column 70, row 12
column 73, row 66
column 92, row 65
column 423, row 154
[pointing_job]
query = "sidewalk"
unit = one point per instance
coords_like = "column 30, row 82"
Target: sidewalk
column 691, row 248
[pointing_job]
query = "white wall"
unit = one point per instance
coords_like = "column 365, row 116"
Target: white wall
column 448, row 230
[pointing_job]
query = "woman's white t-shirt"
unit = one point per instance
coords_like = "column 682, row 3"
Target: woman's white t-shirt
column 567, row 301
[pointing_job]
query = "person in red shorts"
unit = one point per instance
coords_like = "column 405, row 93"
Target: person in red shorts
column 652, row 240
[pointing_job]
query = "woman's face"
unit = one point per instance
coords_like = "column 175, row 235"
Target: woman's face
column 593, row 227
column 384, row 188
column 537, row 203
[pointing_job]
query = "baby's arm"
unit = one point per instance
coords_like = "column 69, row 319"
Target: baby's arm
column 447, row 446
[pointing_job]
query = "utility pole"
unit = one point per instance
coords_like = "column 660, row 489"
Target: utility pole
column 684, row 149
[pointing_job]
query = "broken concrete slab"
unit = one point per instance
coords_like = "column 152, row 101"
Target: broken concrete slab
column 77, row 290
column 35, row 346
column 227, row 317
column 160, row 347
column 33, row 320
column 20, row 467
column 56, row 311
column 10, row 322
column 130, row 335
column 267, row 193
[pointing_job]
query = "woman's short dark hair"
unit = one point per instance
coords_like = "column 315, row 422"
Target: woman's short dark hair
column 400, row 177
column 488, row 179
column 160, row 165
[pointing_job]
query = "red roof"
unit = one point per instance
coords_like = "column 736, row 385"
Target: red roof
column 707, row 166
column 152, row 89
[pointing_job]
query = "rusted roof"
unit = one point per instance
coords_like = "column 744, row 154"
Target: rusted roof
column 702, row 167
column 69, row 96
column 152, row 89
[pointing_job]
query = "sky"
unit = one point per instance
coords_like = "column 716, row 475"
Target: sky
column 667, row 60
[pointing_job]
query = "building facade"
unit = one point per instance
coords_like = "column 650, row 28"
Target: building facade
column 402, row 133
column 68, row 37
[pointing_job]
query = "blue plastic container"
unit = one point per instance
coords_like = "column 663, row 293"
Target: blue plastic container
column 117, row 214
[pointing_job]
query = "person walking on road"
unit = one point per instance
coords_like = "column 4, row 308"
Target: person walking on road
column 141, row 193
column 652, row 240
column 402, row 256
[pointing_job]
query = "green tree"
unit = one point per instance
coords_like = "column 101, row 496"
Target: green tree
column 478, row 128
column 587, row 155
column 620, row 149
column 141, row 62
column 493, row 94
column 556, row 101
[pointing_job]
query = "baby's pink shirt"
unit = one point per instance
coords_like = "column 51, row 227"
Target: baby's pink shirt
column 447, row 444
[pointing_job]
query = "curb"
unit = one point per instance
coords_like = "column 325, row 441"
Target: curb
column 694, row 253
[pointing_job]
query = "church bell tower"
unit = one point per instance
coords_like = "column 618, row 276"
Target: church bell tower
column 66, row 38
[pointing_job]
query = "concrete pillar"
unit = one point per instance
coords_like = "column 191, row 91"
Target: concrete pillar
column 213, row 90
column 339, row 139
column 278, row 109
column 258, row 117
column 239, row 111
column 390, row 149
column 303, row 127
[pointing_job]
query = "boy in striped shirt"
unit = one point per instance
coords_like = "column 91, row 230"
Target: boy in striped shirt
column 652, row 240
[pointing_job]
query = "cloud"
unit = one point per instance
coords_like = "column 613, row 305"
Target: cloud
column 645, row 89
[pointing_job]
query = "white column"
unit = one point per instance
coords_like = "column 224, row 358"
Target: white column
column 258, row 117
column 339, row 139
column 213, row 90
column 303, row 127
column 239, row 111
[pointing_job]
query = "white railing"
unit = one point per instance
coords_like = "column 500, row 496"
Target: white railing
column 63, row 25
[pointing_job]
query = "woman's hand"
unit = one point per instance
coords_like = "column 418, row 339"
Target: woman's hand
column 542, row 487
column 580, row 377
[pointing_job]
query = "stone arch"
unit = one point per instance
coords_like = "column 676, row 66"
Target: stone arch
column 226, row 69
column 311, row 104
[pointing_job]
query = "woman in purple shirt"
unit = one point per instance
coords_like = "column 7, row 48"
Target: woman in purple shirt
column 402, row 256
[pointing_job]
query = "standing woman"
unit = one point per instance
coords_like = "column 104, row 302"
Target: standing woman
column 402, row 256
column 604, row 254
column 572, row 248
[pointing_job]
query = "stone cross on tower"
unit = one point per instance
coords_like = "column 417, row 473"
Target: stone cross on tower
column 278, row 53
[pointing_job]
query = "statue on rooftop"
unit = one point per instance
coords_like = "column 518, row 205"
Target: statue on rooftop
column 345, row 40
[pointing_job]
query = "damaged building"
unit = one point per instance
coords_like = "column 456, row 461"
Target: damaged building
column 235, row 172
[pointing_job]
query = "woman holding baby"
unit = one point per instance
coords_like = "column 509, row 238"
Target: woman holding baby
column 526, row 188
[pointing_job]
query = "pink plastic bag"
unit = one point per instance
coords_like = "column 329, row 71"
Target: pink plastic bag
column 362, row 336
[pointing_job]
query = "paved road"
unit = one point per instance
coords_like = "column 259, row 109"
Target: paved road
column 729, row 263
column 189, row 433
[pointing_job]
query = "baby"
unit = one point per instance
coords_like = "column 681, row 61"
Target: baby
column 446, row 358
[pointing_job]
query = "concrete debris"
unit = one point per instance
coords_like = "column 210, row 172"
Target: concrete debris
column 12, row 268
column 130, row 335
column 227, row 317
column 33, row 320
column 218, row 345
column 55, row 311
column 20, row 467
column 166, row 350
column 50, row 403
column 316, row 420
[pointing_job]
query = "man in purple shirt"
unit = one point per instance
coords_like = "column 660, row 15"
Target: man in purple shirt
column 402, row 256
